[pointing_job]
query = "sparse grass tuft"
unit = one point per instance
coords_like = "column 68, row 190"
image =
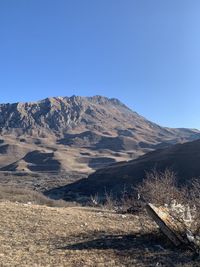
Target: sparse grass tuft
column 22, row 195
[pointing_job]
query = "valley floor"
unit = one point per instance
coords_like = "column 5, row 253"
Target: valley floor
column 32, row 235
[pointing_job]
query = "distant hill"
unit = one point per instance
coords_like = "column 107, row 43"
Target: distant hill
column 183, row 159
column 78, row 133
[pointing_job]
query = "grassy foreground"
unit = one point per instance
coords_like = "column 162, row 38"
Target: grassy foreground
column 33, row 235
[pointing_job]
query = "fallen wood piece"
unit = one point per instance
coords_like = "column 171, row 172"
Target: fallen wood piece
column 171, row 227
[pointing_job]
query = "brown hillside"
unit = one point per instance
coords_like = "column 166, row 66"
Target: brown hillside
column 78, row 134
column 183, row 159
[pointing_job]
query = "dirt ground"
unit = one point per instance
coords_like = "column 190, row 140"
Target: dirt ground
column 32, row 235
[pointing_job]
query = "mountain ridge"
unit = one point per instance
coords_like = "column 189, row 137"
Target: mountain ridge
column 27, row 110
column 83, row 133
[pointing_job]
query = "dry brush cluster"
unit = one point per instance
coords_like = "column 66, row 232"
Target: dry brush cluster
column 183, row 203
column 161, row 188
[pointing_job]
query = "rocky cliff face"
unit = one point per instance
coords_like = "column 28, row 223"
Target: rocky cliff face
column 84, row 128
column 60, row 115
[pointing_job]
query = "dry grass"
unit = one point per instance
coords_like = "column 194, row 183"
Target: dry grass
column 33, row 235
column 22, row 195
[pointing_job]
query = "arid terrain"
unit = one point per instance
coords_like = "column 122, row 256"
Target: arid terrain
column 49, row 148
column 81, row 134
column 182, row 159
column 32, row 235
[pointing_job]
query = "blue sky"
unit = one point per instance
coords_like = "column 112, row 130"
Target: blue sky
column 144, row 52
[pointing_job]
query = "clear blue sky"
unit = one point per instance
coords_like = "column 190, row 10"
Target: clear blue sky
column 144, row 52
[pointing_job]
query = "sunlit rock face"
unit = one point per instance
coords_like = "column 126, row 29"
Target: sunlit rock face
column 83, row 133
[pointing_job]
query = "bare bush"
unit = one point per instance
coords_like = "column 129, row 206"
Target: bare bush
column 110, row 202
column 183, row 204
column 194, row 200
column 127, row 198
column 160, row 188
column 195, row 193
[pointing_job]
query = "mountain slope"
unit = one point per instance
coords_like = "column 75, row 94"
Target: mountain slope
column 81, row 133
column 184, row 159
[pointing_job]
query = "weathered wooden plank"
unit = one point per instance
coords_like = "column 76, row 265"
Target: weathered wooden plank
column 167, row 224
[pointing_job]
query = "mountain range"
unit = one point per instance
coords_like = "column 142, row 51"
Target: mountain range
column 83, row 134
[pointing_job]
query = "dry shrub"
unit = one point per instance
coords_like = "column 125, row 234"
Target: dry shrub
column 122, row 203
column 23, row 195
column 110, row 202
column 195, row 193
column 107, row 202
column 160, row 188
column 194, row 200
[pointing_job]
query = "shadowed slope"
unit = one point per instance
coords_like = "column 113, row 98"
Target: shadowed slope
column 35, row 161
column 184, row 159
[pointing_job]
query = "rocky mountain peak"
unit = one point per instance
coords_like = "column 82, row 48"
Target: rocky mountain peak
column 75, row 114
column 73, row 133
column 58, row 114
